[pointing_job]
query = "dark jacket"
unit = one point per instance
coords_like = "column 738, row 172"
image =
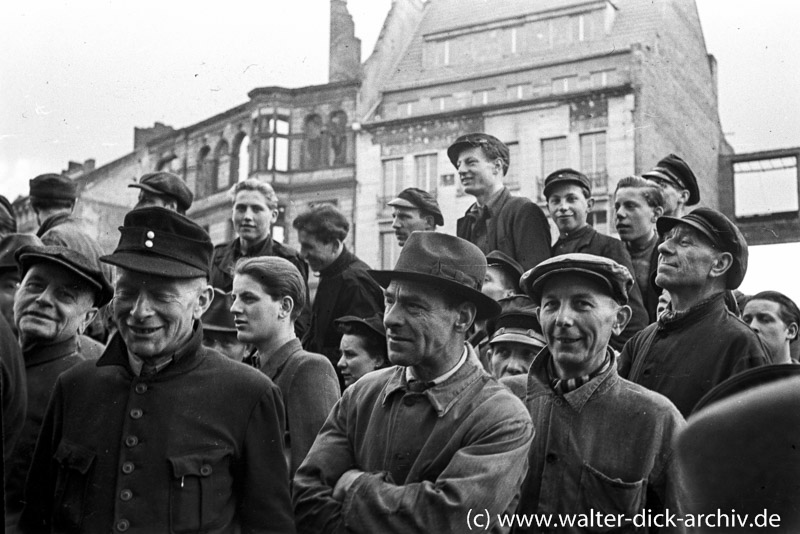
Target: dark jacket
column 587, row 240
column 196, row 447
column 15, row 396
column 344, row 288
column 516, row 227
column 226, row 255
column 685, row 354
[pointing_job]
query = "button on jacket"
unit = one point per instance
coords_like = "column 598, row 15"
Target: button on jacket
column 604, row 447
column 428, row 457
column 196, row 447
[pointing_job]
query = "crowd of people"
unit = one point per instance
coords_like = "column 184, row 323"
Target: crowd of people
column 177, row 386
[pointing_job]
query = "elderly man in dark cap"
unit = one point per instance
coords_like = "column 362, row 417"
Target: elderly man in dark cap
column 698, row 343
column 160, row 434
column 58, row 297
column 497, row 220
column 414, row 210
column 163, row 189
column 678, row 183
column 605, row 452
column 426, row 444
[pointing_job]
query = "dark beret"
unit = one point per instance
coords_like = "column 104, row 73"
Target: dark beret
column 218, row 316
column 53, row 187
column 415, row 198
column 72, row 260
column 614, row 276
column 677, row 172
column 167, row 184
column 9, row 246
column 566, row 176
column 374, row 323
column 488, row 143
column 159, row 241
column 722, row 233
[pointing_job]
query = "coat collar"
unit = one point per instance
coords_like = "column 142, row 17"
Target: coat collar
column 39, row 354
column 52, row 222
column 673, row 320
column 274, row 362
column 339, row 264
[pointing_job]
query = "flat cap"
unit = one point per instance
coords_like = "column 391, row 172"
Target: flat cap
column 9, row 246
column 492, row 147
column 167, row 184
column 517, row 323
column 566, row 176
column 159, row 241
column 374, row 323
column 53, row 187
column 73, row 261
column 509, row 264
column 218, row 316
column 419, row 199
column 674, row 170
column 615, row 277
column 722, row 233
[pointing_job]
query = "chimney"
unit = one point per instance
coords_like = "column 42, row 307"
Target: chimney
column 345, row 47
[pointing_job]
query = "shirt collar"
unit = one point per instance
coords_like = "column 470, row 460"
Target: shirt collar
column 272, row 364
column 438, row 380
column 492, row 202
column 563, row 386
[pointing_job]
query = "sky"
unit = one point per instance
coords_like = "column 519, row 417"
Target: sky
column 77, row 77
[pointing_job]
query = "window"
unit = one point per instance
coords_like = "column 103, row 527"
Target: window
column 442, row 103
column 765, row 187
column 426, row 172
column 601, row 78
column 338, row 138
column 593, row 160
column 405, row 109
column 599, row 220
column 222, row 165
column 240, row 157
column 313, row 142
column 480, row 98
column 518, row 91
column 271, row 142
column 390, row 250
column 205, row 173
column 565, row 84
column 511, row 179
column 392, row 178
column 554, row 155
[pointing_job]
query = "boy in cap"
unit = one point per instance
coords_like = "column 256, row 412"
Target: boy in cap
column 678, row 183
column 516, row 338
column 418, row 446
column 698, row 343
column 603, row 447
column 569, row 200
column 497, row 220
column 160, row 434
column 163, row 189
column 414, row 210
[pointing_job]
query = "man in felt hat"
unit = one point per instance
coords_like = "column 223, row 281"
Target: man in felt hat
column 497, row 220
column 414, row 210
column 160, row 434
column 419, row 446
column 58, row 297
column 219, row 330
column 603, row 444
column 678, row 183
column 569, row 201
column 698, row 343
column 163, row 189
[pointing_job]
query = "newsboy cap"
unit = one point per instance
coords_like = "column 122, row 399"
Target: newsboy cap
column 167, row 184
column 156, row 240
column 444, row 261
column 53, row 187
column 9, row 246
column 722, row 233
column 73, row 261
column 677, row 172
column 517, row 323
column 492, row 147
column 566, row 176
column 419, row 199
column 218, row 316
column 615, row 277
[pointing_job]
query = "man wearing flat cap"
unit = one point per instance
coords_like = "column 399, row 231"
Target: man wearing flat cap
column 497, row 220
column 515, row 337
column 163, row 189
column 414, row 210
column 677, row 182
column 58, row 297
column 698, row 343
column 160, row 434
column 604, row 445
column 419, row 446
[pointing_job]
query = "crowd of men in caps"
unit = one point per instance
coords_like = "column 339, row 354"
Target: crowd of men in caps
column 176, row 386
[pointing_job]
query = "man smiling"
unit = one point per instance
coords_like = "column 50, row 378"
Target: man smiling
column 414, row 210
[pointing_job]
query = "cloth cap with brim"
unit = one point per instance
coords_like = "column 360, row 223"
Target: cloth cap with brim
column 518, row 326
column 53, row 187
column 73, row 261
column 566, row 176
column 374, row 323
column 9, row 246
column 614, row 277
column 672, row 169
column 482, row 140
column 162, row 242
column 167, row 184
column 722, row 233
column 218, row 316
column 449, row 263
column 419, row 199
column 509, row 264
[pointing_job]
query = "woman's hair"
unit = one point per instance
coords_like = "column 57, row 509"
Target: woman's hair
column 278, row 278
column 789, row 313
column 374, row 343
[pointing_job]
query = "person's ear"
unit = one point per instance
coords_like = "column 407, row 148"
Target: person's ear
column 658, row 211
column 791, row 331
column 721, row 265
column 287, row 305
column 466, row 313
column 274, row 216
column 590, row 202
column 621, row 319
column 203, row 301
column 88, row 317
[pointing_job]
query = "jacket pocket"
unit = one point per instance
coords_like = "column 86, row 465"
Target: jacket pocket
column 201, row 490
column 601, row 493
column 73, row 463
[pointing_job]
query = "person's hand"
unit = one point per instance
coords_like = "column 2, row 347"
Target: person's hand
column 344, row 483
